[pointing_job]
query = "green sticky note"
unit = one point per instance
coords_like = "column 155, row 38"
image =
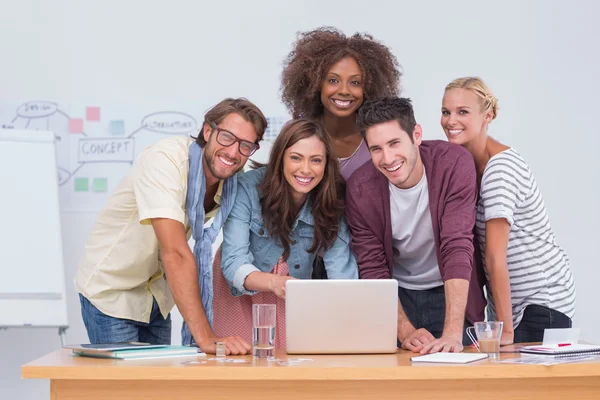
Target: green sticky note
column 100, row 185
column 82, row 185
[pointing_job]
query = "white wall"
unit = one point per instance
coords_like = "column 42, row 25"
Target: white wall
column 540, row 58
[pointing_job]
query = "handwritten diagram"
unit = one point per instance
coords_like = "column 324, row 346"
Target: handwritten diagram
column 94, row 154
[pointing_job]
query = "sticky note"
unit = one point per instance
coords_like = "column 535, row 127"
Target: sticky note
column 92, row 113
column 116, row 127
column 76, row 125
column 82, row 185
column 100, row 185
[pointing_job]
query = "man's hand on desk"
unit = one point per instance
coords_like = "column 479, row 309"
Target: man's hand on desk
column 445, row 344
column 234, row 345
column 415, row 340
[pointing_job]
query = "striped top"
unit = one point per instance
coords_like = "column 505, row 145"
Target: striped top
column 538, row 268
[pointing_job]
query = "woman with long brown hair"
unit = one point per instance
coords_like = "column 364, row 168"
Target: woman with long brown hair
column 285, row 213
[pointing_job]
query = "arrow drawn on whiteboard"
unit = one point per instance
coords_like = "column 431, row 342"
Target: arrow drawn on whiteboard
column 136, row 131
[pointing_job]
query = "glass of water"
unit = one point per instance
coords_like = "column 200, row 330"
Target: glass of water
column 263, row 330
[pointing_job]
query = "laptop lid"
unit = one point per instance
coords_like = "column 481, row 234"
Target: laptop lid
column 341, row 316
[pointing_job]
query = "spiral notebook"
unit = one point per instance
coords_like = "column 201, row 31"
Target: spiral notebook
column 562, row 350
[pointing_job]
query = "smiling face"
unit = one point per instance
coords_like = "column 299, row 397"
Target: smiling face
column 463, row 119
column 304, row 166
column 342, row 89
column 394, row 154
column 220, row 161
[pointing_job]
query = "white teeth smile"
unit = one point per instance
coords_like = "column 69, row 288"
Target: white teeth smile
column 455, row 131
column 226, row 162
column 342, row 104
column 303, row 180
column 394, row 168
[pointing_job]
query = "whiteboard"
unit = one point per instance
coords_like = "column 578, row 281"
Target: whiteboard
column 96, row 145
column 32, row 287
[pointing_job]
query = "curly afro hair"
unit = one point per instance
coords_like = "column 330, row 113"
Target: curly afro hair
column 316, row 51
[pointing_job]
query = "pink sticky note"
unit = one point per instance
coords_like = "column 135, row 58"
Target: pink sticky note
column 92, row 113
column 76, row 125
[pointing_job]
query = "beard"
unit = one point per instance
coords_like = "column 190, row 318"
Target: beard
column 210, row 158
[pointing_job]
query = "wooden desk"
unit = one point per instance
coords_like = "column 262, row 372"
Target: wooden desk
column 376, row 377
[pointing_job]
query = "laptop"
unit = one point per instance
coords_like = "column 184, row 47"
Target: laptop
column 341, row 316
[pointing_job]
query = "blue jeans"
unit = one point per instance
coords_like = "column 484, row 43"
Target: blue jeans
column 536, row 318
column 102, row 328
column 427, row 309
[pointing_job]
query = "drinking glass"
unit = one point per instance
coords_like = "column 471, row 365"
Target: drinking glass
column 488, row 337
column 264, row 317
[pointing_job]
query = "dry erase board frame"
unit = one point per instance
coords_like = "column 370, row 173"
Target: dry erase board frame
column 32, row 288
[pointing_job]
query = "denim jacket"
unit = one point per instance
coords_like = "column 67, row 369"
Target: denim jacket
column 248, row 247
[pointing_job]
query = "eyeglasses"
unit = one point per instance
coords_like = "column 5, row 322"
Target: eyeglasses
column 226, row 138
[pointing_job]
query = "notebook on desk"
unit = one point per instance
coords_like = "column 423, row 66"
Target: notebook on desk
column 450, row 358
column 562, row 350
column 90, row 347
column 142, row 353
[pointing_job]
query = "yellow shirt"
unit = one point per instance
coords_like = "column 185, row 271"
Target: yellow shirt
column 121, row 270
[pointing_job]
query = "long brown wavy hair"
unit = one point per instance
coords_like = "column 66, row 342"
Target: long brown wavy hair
column 327, row 197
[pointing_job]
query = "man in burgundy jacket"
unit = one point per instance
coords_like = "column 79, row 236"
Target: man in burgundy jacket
column 411, row 214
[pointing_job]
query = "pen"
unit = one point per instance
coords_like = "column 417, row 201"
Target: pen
column 564, row 344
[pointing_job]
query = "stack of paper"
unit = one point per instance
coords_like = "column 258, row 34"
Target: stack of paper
column 450, row 358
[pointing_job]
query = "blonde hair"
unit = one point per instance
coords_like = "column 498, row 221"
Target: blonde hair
column 488, row 101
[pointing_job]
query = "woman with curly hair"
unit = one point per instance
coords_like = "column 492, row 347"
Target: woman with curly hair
column 327, row 76
column 284, row 214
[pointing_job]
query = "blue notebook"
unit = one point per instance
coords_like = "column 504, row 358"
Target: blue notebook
column 112, row 346
column 136, row 354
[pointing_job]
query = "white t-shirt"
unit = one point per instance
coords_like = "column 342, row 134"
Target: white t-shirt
column 415, row 260
column 538, row 268
column 120, row 269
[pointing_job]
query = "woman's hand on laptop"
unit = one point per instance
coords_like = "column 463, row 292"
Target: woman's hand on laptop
column 277, row 285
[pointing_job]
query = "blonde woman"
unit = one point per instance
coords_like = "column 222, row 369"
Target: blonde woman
column 530, row 286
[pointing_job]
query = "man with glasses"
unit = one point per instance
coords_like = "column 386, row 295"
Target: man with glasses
column 137, row 263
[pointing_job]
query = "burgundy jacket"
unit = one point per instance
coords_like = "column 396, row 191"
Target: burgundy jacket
column 451, row 180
